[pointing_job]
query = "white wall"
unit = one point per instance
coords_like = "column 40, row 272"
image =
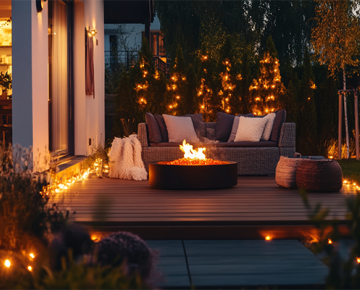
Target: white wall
column 30, row 78
column 94, row 121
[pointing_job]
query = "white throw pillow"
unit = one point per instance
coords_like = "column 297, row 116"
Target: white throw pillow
column 180, row 129
column 250, row 129
column 268, row 127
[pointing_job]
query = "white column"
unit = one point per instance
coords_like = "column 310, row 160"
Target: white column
column 30, row 78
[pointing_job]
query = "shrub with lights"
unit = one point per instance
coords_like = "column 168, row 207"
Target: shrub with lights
column 230, row 79
column 140, row 90
column 177, row 99
column 267, row 88
column 208, row 99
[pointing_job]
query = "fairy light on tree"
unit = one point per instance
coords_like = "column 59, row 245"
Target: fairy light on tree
column 208, row 102
column 176, row 96
column 230, row 79
column 265, row 90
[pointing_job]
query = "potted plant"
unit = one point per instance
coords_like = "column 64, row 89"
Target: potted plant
column 5, row 84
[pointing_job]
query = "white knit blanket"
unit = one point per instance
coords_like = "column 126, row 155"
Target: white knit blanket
column 125, row 159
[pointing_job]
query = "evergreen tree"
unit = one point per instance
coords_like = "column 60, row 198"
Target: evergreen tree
column 289, row 100
column 192, row 101
column 209, row 102
column 230, row 79
column 176, row 99
column 307, row 121
column 265, row 91
column 151, row 85
column 245, row 82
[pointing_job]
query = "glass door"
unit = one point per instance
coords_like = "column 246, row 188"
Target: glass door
column 60, row 77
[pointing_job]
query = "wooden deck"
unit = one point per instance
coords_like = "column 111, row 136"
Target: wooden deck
column 254, row 208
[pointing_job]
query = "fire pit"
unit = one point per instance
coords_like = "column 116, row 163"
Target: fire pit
column 194, row 171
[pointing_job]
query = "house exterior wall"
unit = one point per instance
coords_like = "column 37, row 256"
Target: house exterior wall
column 30, row 77
column 89, row 110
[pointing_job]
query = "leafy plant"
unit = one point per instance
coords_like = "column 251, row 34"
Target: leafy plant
column 343, row 274
column 5, row 80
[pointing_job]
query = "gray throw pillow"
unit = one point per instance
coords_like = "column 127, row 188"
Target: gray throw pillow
column 279, row 120
column 199, row 124
column 223, row 126
column 163, row 129
column 153, row 128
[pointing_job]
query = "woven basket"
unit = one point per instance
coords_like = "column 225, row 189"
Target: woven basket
column 324, row 175
column 285, row 174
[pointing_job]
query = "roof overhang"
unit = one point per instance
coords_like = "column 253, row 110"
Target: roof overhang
column 128, row 11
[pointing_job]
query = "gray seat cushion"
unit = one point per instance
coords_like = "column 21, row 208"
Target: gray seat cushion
column 247, row 144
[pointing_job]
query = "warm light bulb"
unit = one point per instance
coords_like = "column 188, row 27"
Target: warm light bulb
column 29, row 268
column 178, row 97
column 202, row 106
column 345, row 181
column 170, row 107
column 7, row 263
column 268, row 238
column 32, row 256
column 94, row 237
column 358, row 260
column 330, row 241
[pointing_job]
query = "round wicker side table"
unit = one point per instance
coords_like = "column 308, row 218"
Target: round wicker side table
column 323, row 175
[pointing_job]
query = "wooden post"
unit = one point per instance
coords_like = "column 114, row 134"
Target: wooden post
column 340, row 125
column 356, row 104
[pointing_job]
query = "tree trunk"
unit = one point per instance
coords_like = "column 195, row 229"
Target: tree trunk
column 345, row 112
column 356, row 104
column 340, row 125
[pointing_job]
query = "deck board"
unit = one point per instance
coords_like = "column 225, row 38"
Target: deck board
column 254, row 201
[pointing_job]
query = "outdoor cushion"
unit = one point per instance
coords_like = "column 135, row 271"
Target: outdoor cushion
column 221, row 144
column 236, row 125
column 199, row 124
column 246, row 144
column 223, row 126
column 278, row 121
column 268, row 127
column 162, row 126
column 166, row 144
column 179, row 129
column 250, row 129
column 153, row 127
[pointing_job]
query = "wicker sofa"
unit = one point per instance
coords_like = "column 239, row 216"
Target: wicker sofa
column 254, row 160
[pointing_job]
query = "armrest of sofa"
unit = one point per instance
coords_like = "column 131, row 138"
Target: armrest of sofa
column 143, row 135
column 288, row 135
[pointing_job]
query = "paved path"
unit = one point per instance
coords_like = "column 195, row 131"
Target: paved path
column 235, row 263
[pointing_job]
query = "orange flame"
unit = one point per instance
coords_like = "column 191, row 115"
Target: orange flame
column 191, row 153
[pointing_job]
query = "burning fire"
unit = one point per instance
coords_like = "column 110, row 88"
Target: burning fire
column 193, row 156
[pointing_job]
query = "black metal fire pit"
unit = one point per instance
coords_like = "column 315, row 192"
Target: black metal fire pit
column 168, row 176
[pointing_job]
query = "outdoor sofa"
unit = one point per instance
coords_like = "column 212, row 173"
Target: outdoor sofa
column 253, row 158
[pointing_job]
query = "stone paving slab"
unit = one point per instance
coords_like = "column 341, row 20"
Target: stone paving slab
column 236, row 263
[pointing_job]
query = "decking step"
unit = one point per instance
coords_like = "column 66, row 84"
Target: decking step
column 237, row 263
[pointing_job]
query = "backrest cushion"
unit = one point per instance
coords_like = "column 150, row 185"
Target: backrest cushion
column 153, row 127
column 180, row 128
column 199, row 124
column 163, row 129
column 236, row 125
column 223, row 126
column 278, row 121
column 268, row 127
column 250, row 129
